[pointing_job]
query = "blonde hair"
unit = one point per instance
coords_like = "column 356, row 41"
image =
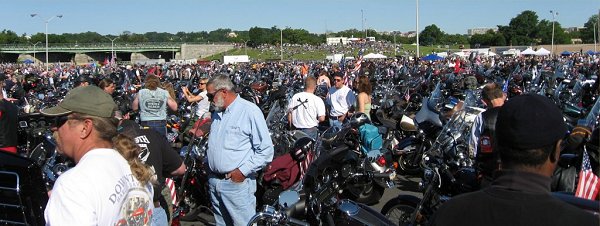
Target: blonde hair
column 107, row 131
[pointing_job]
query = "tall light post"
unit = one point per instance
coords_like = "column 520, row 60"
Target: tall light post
column 418, row 28
column 594, row 30
column 246, row 47
column 46, row 22
column 281, row 44
column 554, row 13
column 112, row 47
column 34, row 59
column 362, row 20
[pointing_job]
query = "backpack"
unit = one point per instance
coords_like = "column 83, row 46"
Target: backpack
column 370, row 138
column 487, row 158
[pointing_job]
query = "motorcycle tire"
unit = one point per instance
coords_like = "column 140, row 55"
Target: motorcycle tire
column 367, row 194
column 399, row 211
column 406, row 165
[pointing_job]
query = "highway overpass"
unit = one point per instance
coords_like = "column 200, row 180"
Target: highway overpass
column 84, row 53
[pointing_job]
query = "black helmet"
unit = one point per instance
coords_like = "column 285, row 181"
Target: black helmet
column 358, row 119
column 301, row 148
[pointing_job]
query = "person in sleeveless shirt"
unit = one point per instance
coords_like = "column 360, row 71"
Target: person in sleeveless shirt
column 363, row 100
column 152, row 103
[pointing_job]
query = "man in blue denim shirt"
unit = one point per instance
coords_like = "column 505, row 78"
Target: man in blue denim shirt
column 239, row 145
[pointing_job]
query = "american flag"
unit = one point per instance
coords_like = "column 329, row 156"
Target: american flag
column 407, row 95
column 587, row 186
column 171, row 185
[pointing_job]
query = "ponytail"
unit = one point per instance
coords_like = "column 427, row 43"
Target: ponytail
column 130, row 151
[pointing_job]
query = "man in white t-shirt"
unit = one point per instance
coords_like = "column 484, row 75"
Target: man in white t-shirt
column 306, row 110
column 109, row 185
column 341, row 99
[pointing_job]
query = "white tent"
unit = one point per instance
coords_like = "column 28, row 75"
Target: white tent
column 542, row 52
column 374, row 56
column 460, row 54
column 528, row 51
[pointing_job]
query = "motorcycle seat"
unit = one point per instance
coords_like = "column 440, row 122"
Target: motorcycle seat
column 407, row 124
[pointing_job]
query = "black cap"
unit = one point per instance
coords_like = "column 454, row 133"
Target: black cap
column 529, row 121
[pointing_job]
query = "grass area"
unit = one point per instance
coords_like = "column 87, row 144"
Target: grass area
column 297, row 53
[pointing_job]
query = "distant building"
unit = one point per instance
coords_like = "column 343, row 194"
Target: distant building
column 480, row 31
column 408, row 34
column 573, row 29
column 337, row 41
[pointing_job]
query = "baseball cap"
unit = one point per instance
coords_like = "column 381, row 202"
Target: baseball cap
column 89, row 100
column 529, row 121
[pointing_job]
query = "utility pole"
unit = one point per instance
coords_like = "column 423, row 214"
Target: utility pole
column 362, row 20
column 281, row 44
column 46, row 22
column 417, row 28
column 554, row 13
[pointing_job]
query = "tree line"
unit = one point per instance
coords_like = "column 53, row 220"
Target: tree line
column 524, row 29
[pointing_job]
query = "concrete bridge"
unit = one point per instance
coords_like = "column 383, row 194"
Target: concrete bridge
column 87, row 52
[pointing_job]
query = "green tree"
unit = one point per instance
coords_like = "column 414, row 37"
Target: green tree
column 9, row 37
column 431, row 35
column 587, row 33
column 545, row 33
column 522, row 30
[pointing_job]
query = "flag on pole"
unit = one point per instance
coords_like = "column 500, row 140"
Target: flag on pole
column 587, row 186
column 407, row 95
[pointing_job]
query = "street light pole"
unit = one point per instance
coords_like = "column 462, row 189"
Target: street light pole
column 112, row 47
column 595, row 45
column 46, row 23
column 281, row 44
column 417, row 28
column 553, row 21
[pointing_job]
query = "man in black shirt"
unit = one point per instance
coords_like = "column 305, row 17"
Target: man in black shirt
column 8, row 123
column 529, row 132
column 156, row 152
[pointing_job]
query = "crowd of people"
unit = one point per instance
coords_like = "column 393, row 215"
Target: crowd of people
column 91, row 129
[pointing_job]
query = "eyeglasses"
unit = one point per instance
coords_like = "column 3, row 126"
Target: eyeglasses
column 338, row 80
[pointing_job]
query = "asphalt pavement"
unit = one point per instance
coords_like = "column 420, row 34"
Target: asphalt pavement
column 405, row 185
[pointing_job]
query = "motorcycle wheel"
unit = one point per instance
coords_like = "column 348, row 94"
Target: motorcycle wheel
column 406, row 165
column 398, row 211
column 368, row 194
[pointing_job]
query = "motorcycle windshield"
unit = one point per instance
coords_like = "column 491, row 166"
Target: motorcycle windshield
column 428, row 112
column 591, row 119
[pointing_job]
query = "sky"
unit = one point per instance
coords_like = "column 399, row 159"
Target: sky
column 317, row 16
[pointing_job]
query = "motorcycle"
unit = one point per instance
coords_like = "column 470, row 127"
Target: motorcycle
column 449, row 171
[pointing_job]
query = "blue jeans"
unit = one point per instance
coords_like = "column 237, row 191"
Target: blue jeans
column 233, row 203
column 335, row 123
column 159, row 217
column 311, row 132
column 158, row 126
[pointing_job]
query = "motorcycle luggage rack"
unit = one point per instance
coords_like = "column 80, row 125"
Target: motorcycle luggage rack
column 12, row 211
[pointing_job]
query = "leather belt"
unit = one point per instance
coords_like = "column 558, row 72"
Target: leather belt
column 336, row 117
column 222, row 176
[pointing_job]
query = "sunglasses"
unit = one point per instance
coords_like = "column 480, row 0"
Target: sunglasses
column 211, row 96
column 337, row 80
column 61, row 120
column 203, row 83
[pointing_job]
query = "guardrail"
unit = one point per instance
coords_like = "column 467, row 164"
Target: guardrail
column 98, row 46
